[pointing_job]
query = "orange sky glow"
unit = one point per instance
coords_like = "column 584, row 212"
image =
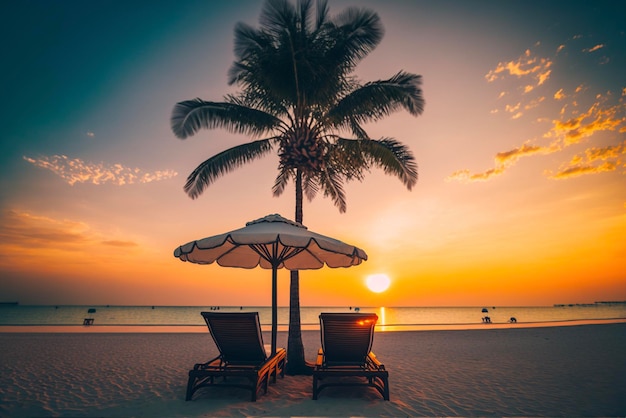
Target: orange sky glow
column 521, row 198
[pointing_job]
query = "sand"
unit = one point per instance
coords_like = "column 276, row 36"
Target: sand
column 551, row 371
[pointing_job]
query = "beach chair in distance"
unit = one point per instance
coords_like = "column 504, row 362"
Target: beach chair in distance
column 242, row 361
column 346, row 358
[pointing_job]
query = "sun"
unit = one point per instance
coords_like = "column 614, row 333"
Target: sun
column 378, row 283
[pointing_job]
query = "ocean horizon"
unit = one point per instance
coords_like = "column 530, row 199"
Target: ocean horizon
column 150, row 318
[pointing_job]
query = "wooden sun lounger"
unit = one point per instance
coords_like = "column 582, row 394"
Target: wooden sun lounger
column 243, row 361
column 345, row 358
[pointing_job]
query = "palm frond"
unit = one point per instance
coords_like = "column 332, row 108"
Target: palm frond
column 278, row 17
column 377, row 99
column 248, row 40
column 284, row 175
column 322, row 14
column 358, row 32
column 332, row 184
column 390, row 155
column 310, row 186
column 224, row 162
column 189, row 116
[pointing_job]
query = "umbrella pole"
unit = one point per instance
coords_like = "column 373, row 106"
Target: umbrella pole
column 274, row 307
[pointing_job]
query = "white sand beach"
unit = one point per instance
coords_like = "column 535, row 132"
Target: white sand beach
column 553, row 371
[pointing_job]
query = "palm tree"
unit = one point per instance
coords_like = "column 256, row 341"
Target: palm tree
column 299, row 97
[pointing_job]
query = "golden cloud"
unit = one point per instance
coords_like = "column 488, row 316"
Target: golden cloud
column 592, row 161
column 533, row 71
column 23, row 234
column 593, row 49
column 466, row 176
column 526, row 65
column 503, row 161
column 579, row 170
column 117, row 243
column 559, row 95
column 509, row 157
column 572, row 116
column 597, row 118
column 75, row 170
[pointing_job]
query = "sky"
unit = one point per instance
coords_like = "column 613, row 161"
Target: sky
column 521, row 198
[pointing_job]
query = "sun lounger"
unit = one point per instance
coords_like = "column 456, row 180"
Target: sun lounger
column 243, row 361
column 345, row 358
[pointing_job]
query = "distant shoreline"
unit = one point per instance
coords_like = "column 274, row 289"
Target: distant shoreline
column 560, row 305
column 556, row 305
column 182, row 329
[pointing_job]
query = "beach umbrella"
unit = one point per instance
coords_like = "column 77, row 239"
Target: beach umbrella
column 272, row 242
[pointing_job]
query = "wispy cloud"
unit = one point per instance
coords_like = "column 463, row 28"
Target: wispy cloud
column 75, row 170
column 536, row 70
column 503, row 160
column 593, row 160
column 572, row 116
column 25, row 236
column 600, row 116
column 593, row 49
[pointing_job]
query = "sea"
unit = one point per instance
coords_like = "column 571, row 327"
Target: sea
column 114, row 318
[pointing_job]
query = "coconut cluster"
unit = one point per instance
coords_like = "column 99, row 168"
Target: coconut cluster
column 305, row 152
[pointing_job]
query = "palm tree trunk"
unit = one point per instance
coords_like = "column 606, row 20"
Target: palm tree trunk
column 295, row 349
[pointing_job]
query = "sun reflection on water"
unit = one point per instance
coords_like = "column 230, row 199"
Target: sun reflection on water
column 382, row 321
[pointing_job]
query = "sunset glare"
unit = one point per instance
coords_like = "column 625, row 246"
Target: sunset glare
column 378, row 283
column 521, row 149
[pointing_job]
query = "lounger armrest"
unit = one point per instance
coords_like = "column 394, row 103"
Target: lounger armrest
column 320, row 358
column 279, row 352
column 374, row 360
column 200, row 366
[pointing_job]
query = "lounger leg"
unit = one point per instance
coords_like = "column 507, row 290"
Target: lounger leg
column 254, row 387
column 190, row 384
column 314, row 387
column 386, row 388
column 273, row 372
column 266, row 381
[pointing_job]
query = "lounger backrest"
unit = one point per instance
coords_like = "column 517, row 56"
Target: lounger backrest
column 347, row 337
column 237, row 336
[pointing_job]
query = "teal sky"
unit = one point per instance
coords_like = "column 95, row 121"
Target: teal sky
column 521, row 152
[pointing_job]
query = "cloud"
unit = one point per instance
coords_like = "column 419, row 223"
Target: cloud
column 580, row 170
column 24, row 229
column 75, row 170
column 600, row 116
column 531, row 72
column 572, row 114
column 503, row 160
column 508, row 158
column 592, row 161
column 91, row 134
column 593, row 49
column 465, row 176
column 27, row 236
column 117, row 243
column 559, row 95
column 527, row 66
